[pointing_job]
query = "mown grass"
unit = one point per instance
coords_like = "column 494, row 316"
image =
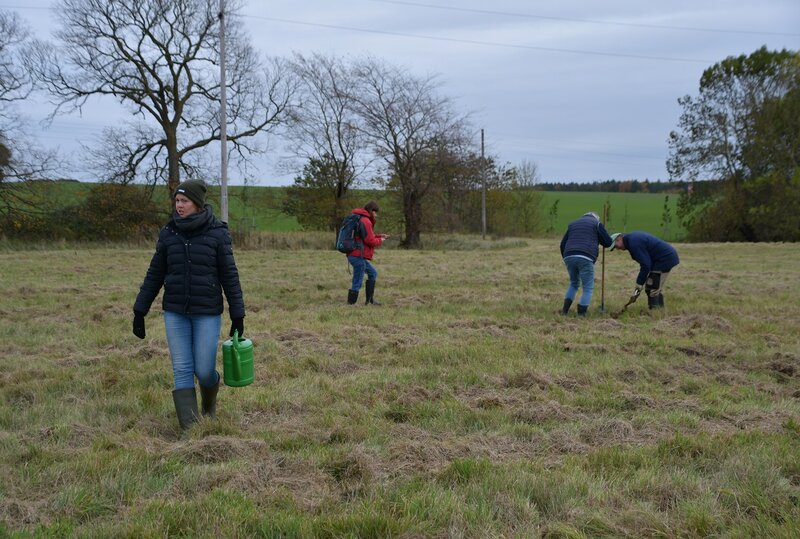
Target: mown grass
column 464, row 406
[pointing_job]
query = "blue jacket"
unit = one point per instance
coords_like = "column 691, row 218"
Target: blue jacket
column 582, row 237
column 651, row 253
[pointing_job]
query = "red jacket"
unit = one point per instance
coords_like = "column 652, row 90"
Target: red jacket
column 371, row 241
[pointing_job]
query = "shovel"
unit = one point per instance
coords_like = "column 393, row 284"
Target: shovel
column 625, row 308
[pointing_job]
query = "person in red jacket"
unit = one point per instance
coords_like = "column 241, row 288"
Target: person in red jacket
column 360, row 258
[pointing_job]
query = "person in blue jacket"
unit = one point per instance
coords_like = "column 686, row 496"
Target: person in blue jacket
column 656, row 259
column 579, row 249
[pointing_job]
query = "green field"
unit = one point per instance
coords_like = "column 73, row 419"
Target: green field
column 256, row 208
column 465, row 406
column 627, row 211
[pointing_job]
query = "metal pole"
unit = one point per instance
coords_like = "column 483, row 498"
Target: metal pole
column 603, row 265
column 483, row 191
column 223, row 119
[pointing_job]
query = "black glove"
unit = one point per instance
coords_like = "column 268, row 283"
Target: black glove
column 237, row 324
column 138, row 324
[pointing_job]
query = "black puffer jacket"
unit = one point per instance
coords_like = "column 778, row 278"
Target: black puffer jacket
column 194, row 267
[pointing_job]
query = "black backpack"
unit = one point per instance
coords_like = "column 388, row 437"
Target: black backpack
column 351, row 234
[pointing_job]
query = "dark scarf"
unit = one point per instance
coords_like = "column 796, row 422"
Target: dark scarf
column 195, row 221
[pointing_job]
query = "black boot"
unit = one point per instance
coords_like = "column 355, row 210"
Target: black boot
column 652, row 302
column 185, row 406
column 370, row 286
column 582, row 310
column 567, row 305
column 208, row 398
column 661, row 300
column 352, row 297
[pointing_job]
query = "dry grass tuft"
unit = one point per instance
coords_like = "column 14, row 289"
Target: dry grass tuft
column 693, row 322
column 528, row 380
column 607, row 431
column 215, row 449
column 536, row 413
column 19, row 513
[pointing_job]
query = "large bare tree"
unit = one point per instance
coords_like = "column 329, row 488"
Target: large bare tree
column 160, row 59
column 408, row 122
column 324, row 128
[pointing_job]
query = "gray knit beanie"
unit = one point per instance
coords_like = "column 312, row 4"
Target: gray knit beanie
column 194, row 190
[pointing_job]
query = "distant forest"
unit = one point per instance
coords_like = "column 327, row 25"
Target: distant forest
column 616, row 186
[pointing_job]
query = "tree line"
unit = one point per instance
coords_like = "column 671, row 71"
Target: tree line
column 353, row 122
column 617, row 186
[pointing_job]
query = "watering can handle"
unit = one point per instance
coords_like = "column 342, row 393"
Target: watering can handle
column 235, row 353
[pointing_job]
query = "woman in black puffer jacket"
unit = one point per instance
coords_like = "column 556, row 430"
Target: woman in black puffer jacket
column 195, row 265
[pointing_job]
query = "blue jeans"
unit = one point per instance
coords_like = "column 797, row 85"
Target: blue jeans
column 360, row 267
column 581, row 273
column 192, row 340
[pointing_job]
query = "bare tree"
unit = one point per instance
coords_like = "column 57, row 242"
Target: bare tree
column 407, row 122
column 324, row 127
column 15, row 81
column 527, row 201
column 20, row 158
column 160, row 59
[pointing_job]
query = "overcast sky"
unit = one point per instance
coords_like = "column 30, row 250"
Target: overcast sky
column 587, row 90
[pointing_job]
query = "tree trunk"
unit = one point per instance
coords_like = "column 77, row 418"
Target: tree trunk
column 173, row 167
column 412, row 211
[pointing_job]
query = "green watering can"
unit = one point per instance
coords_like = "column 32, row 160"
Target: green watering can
column 237, row 361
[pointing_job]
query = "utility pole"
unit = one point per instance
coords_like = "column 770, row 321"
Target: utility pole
column 603, row 275
column 223, row 117
column 483, row 191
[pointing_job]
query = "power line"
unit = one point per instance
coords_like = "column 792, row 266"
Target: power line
column 484, row 43
column 587, row 21
column 3, row 6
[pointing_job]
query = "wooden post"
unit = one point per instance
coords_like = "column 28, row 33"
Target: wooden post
column 223, row 119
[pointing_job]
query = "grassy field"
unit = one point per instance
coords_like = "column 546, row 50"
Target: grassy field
column 257, row 208
column 465, row 406
column 627, row 211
